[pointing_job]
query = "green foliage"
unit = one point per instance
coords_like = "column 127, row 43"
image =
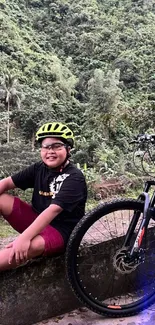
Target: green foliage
column 6, row 230
column 88, row 63
column 15, row 156
column 11, row 97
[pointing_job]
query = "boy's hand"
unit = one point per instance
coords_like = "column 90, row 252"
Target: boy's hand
column 19, row 249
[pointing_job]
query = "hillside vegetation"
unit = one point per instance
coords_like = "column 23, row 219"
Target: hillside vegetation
column 88, row 63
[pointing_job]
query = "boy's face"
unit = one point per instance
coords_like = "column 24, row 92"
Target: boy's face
column 53, row 152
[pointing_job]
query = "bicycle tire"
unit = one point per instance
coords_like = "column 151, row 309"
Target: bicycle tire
column 148, row 163
column 72, row 266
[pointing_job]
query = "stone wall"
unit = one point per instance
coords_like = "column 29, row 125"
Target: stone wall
column 39, row 290
column 34, row 292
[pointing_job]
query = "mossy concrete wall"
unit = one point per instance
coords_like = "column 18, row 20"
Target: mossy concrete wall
column 34, row 292
column 39, row 290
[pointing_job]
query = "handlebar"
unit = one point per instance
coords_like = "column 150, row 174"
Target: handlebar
column 143, row 138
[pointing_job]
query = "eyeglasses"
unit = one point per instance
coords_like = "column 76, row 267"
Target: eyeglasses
column 54, row 146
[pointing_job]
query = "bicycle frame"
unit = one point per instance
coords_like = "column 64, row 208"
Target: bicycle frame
column 147, row 214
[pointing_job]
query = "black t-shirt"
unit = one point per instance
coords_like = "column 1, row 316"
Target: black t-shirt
column 67, row 189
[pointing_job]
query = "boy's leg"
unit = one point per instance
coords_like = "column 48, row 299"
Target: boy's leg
column 20, row 215
column 6, row 204
column 37, row 248
column 48, row 242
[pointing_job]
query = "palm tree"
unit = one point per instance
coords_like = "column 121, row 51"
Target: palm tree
column 12, row 97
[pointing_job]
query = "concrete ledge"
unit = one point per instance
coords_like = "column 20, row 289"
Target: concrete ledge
column 39, row 290
column 34, row 292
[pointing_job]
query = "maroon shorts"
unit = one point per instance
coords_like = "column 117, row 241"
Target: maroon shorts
column 23, row 215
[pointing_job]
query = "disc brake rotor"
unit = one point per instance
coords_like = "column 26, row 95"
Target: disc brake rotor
column 124, row 264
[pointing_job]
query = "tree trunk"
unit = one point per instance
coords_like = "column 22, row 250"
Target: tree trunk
column 8, row 123
column 33, row 141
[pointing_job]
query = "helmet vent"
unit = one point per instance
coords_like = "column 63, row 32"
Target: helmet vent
column 56, row 130
column 56, row 126
column 63, row 128
column 49, row 127
column 49, row 134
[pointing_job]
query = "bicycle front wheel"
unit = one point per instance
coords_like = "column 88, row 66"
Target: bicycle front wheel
column 96, row 263
column 148, row 161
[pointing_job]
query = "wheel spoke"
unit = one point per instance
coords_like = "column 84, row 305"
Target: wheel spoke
column 100, row 268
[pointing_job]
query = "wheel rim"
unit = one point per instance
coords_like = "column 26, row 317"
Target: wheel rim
column 148, row 162
column 119, row 291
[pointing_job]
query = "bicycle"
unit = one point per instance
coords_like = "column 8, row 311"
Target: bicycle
column 144, row 153
column 110, row 257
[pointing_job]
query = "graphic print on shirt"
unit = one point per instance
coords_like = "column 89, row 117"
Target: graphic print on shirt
column 56, row 184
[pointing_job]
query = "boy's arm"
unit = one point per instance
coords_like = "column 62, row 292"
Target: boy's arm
column 41, row 221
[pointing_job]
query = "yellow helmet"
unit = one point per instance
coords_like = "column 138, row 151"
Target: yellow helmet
column 56, row 130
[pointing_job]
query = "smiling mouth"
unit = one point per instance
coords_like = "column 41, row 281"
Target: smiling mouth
column 51, row 158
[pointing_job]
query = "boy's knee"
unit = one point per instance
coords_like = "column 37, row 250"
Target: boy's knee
column 37, row 246
column 6, row 203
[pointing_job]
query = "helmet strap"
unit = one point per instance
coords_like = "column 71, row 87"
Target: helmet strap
column 63, row 165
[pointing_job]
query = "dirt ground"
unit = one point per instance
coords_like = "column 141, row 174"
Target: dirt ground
column 108, row 188
column 83, row 316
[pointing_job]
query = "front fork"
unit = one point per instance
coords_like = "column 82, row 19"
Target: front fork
column 143, row 225
column 145, row 220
